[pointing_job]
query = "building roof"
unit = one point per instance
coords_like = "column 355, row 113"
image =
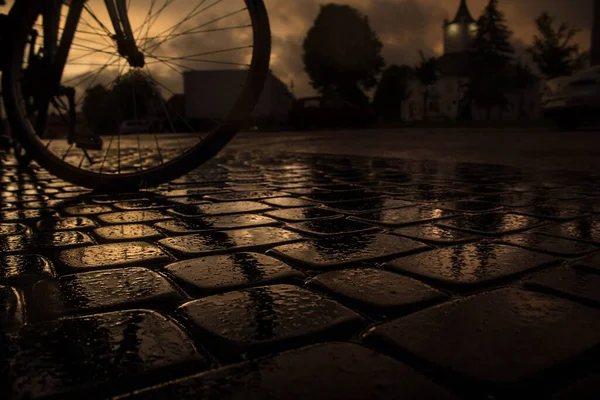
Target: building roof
column 463, row 14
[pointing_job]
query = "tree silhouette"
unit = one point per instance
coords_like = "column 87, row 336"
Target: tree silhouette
column 523, row 78
column 427, row 74
column 133, row 96
column 342, row 54
column 492, row 54
column 553, row 49
column 392, row 92
column 99, row 110
column 136, row 96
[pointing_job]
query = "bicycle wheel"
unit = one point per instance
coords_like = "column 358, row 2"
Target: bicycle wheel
column 205, row 67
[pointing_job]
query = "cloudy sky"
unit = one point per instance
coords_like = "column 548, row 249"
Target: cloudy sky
column 405, row 26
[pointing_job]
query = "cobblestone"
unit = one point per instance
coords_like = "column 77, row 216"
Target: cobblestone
column 347, row 371
column 257, row 320
column 404, row 216
column 303, row 214
column 551, row 245
column 111, row 256
column 126, row 233
column 504, row 349
column 20, row 269
column 91, row 292
column 569, row 282
column 11, row 308
column 112, row 348
column 470, row 279
column 236, row 240
column 223, row 273
column 335, row 252
column 435, row 235
column 379, row 293
column 468, row 266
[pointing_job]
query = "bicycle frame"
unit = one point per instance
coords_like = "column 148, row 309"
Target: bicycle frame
column 58, row 52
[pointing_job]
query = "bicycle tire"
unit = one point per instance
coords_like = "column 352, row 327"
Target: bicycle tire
column 27, row 12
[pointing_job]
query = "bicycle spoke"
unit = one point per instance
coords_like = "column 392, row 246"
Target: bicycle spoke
column 115, row 94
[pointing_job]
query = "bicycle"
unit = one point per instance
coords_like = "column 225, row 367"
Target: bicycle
column 72, row 117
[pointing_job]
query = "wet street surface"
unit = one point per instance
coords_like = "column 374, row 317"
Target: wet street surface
column 273, row 275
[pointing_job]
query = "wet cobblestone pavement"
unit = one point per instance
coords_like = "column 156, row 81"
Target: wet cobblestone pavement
column 286, row 276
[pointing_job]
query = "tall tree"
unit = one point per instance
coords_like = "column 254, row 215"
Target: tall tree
column 427, row 74
column 98, row 109
column 136, row 96
column 523, row 78
column 392, row 92
column 342, row 53
column 553, row 49
column 492, row 54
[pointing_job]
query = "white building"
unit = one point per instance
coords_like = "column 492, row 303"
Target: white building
column 210, row 94
column 444, row 100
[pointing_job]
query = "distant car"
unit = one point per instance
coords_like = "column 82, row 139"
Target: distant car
column 320, row 112
column 573, row 100
column 135, row 126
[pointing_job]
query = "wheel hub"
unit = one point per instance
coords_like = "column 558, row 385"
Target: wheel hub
column 128, row 49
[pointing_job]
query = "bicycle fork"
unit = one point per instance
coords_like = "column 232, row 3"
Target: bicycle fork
column 57, row 53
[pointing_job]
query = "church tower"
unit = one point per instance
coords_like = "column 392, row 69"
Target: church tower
column 459, row 33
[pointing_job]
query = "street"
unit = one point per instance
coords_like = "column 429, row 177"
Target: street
column 526, row 147
column 294, row 261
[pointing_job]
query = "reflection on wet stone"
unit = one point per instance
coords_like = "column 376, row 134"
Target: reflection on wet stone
column 62, row 240
column 271, row 317
column 288, row 202
column 228, row 241
column 585, row 230
column 492, row 224
column 11, row 310
column 469, row 206
column 549, row 212
column 65, row 224
column 333, row 197
column 331, row 227
column 403, row 216
column 302, row 214
column 86, row 210
column 505, row 349
column 372, row 205
column 320, row 372
column 215, row 274
column 241, row 196
column 128, row 232
column 435, row 234
column 196, row 191
column 376, row 291
column 467, row 266
column 338, row 251
column 143, row 204
column 226, row 222
column 133, row 217
column 551, row 245
column 229, row 208
column 7, row 229
column 102, row 352
column 90, row 292
column 24, row 215
column 23, row 269
column 111, row 256
column 15, row 244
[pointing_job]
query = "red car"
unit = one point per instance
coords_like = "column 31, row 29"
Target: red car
column 317, row 112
